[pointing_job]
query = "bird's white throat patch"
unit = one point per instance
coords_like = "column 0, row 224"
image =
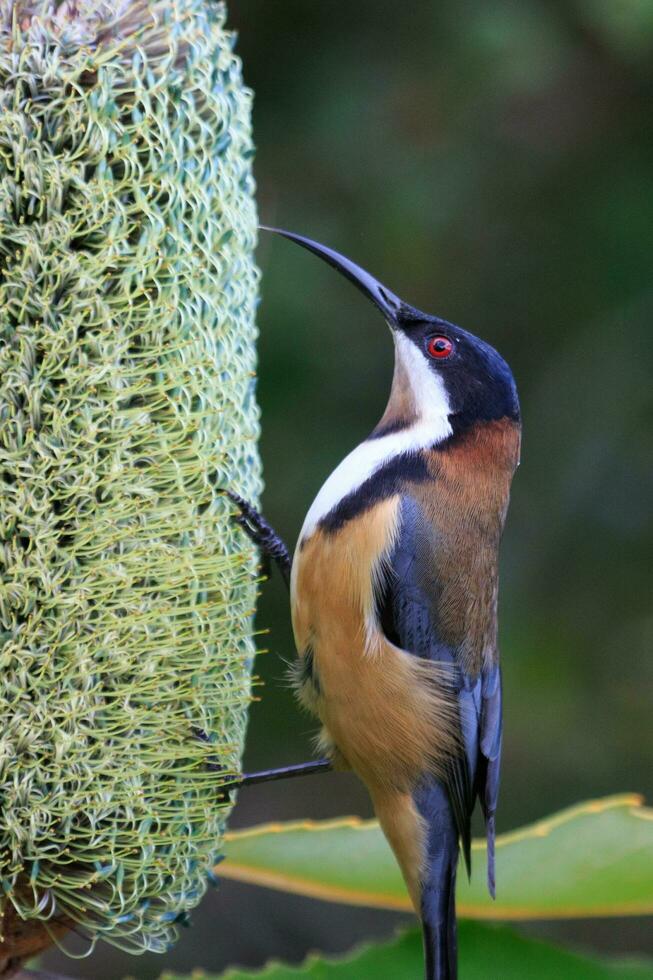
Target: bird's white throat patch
column 426, row 385
column 431, row 426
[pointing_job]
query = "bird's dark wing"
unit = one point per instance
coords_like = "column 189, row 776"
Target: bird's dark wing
column 407, row 608
column 489, row 769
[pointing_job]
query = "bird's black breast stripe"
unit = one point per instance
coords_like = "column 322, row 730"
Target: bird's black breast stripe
column 388, row 480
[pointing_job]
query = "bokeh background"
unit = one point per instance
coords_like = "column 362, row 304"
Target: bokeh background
column 492, row 163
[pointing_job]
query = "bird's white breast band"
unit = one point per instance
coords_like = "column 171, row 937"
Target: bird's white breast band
column 431, row 426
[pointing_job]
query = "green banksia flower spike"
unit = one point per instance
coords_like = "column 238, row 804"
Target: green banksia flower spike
column 127, row 296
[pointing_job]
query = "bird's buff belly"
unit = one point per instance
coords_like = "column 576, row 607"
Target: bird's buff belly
column 382, row 709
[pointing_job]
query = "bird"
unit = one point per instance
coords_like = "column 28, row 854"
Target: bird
column 394, row 593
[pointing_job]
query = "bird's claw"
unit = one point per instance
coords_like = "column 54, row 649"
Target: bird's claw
column 261, row 534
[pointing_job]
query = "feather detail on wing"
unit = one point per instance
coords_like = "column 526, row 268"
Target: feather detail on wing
column 489, row 771
column 407, row 609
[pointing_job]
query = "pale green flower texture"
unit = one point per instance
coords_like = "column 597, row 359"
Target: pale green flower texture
column 127, row 355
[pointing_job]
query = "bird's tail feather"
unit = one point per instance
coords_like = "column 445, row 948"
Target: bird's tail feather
column 421, row 830
column 491, row 865
column 438, row 893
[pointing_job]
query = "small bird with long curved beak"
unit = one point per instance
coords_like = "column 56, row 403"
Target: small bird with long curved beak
column 394, row 588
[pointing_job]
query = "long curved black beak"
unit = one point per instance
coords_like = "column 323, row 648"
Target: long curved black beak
column 389, row 304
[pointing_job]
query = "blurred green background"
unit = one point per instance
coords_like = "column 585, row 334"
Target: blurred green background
column 491, row 162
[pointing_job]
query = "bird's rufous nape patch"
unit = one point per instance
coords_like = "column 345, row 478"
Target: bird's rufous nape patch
column 464, row 508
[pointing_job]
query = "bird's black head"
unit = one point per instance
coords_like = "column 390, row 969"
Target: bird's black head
column 478, row 383
column 441, row 371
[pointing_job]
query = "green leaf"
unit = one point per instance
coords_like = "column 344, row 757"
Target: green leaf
column 591, row 860
column 486, row 953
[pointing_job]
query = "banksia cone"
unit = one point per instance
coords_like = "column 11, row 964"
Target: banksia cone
column 127, row 294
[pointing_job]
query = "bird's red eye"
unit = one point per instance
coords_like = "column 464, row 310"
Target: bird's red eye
column 439, row 347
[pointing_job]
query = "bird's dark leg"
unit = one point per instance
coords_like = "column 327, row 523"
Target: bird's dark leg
column 285, row 772
column 265, row 775
column 264, row 537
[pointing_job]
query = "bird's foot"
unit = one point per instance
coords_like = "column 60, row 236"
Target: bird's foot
column 263, row 536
